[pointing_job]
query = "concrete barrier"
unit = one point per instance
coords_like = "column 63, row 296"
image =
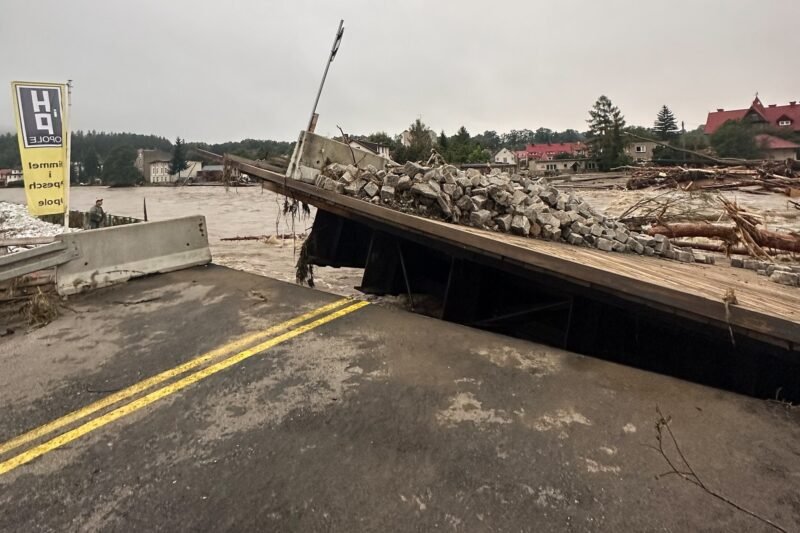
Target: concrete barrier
column 314, row 152
column 117, row 254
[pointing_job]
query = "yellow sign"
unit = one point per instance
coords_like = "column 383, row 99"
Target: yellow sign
column 43, row 135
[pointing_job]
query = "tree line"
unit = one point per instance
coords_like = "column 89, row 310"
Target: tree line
column 108, row 156
column 607, row 136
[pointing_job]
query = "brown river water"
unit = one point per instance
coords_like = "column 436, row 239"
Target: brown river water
column 243, row 211
column 252, row 211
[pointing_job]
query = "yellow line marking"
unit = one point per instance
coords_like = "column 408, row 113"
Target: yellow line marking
column 163, row 376
column 172, row 388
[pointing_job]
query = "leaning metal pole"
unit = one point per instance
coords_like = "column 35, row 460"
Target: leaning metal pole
column 312, row 123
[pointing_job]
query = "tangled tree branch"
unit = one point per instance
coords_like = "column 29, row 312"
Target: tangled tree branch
column 681, row 467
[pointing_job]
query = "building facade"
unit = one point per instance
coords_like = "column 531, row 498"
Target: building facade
column 143, row 161
column 561, row 166
column 505, row 156
column 159, row 172
column 640, row 150
column 549, row 151
column 776, row 148
column 370, row 147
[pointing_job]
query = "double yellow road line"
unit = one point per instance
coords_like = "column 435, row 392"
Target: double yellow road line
column 232, row 353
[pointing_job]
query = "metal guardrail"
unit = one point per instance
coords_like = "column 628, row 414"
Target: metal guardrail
column 25, row 262
column 80, row 219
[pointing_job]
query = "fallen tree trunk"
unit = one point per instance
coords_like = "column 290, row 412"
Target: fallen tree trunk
column 729, row 234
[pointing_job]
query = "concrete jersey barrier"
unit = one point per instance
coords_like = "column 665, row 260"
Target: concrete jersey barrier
column 117, row 254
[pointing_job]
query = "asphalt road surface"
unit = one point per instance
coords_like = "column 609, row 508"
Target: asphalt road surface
column 211, row 399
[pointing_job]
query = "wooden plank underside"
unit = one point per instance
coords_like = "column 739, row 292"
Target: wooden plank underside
column 764, row 307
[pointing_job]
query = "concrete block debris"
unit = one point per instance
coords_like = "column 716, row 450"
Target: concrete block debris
column 499, row 201
column 784, row 274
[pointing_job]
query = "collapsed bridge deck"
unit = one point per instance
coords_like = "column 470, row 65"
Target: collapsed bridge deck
column 594, row 302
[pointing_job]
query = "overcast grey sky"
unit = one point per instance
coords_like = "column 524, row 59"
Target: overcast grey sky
column 214, row 70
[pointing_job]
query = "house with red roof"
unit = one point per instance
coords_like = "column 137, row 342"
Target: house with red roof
column 777, row 148
column 554, row 158
column 780, row 116
column 549, row 151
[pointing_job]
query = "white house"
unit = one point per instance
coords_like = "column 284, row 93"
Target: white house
column 144, row 160
column 370, row 147
column 192, row 168
column 640, row 150
column 505, row 156
column 159, row 171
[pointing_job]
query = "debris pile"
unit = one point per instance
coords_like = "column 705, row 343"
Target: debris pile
column 17, row 223
column 772, row 176
column 499, row 201
column 783, row 274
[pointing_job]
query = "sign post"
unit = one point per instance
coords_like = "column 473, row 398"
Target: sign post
column 42, row 130
column 68, row 140
column 312, row 123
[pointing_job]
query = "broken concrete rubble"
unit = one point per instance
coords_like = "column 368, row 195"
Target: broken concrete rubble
column 500, row 201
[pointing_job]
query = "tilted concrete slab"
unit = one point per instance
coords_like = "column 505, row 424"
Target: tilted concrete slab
column 314, row 152
column 117, row 254
column 378, row 421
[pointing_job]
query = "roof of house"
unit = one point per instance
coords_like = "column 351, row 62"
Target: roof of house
column 371, row 146
column 770, row 142
column 771, row 114
column 212, row 168
column 554, row 148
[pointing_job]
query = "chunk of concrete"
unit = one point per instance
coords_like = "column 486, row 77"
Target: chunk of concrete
column 604, row 244
column 520, row 225
column 412, row 169
column 465, row 203
column 387, row 193
column 575, row 239
column 424, row 190
column 353, row 188
column 403, row 184
column 444, row 205
column 635, row 246
column 480, row 217
column 371, row 189
column 478, row 201
column 504, row 222
column 786, row 278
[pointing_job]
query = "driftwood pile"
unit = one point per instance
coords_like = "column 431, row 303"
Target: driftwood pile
column 769, row 176
column 744, row 231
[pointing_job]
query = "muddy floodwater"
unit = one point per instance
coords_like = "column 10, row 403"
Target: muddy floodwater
column 252, row 211
column 237, row 212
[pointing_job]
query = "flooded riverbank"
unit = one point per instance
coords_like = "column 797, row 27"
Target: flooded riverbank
column 237, row 212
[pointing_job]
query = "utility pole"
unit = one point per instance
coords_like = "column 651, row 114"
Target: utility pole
column 68, row 140
column 312, row 123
